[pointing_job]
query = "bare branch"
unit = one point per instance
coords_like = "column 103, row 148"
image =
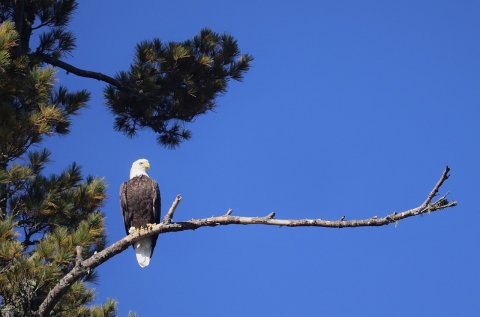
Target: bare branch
column 168, row 217
column 270, row 215
column 83, row 267
column 435, row 189
column 79, row 259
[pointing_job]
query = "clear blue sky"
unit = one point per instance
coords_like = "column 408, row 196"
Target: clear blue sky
column 351, row 108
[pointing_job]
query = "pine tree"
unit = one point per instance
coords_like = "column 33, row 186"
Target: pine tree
column 43, row 218
column 50, row 222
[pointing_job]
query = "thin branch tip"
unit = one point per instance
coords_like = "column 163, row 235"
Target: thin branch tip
column 79, row 259
column 270, row 215
column 436, row 188
column 168, row 217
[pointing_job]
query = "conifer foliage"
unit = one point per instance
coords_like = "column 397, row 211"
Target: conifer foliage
column 171, row 83
column 42, row 218
column 50, row 222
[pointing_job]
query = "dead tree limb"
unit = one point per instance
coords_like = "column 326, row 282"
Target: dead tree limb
column 84, row 266
column 171, row 211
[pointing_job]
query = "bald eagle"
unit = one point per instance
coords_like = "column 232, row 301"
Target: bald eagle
column 140, row 204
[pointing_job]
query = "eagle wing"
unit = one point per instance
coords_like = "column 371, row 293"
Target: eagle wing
column 126, row 214
column 156, row 209
column 156, row 203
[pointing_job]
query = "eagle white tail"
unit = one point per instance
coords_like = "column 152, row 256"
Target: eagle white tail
column 143, row 250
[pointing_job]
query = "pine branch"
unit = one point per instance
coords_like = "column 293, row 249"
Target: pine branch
column 84, row 73
column 82, row 267
column 45, row 58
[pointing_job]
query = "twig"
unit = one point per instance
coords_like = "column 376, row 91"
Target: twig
column 171, row 211
column 435, row 189
column 167, row 226
column 270, row 215
column 79, row 259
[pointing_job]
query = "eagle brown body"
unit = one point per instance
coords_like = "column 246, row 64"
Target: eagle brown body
column 140, row 205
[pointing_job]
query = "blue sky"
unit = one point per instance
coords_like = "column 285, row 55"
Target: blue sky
column 351, row 108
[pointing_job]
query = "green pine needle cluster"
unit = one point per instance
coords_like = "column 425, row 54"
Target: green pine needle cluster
column 173, row 83
column 31, row 107
column 43, row 218
column 47, row 218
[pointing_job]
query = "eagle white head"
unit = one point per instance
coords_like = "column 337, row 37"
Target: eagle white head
column 139, row 167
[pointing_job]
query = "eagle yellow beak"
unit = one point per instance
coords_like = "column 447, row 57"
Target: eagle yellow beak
column 147, row 165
